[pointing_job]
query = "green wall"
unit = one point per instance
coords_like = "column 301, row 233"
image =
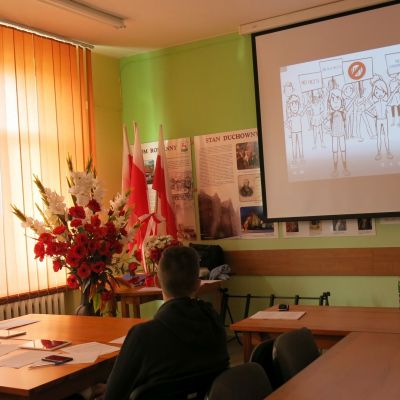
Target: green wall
column 208, row 87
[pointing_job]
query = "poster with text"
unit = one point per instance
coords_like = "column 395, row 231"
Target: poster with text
column 229, row 186
column 178, row 154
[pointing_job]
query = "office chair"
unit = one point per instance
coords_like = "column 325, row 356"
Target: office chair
column 293, row 351
column 242, row 382
column 262, row 355
column 192, row 387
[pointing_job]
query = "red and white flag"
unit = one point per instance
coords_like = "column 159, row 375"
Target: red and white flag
column 138, row 198
column 164, row 204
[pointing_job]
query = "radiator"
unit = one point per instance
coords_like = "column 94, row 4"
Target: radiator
column 49, row 304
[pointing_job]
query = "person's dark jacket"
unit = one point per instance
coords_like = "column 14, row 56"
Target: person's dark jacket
column 185, row 337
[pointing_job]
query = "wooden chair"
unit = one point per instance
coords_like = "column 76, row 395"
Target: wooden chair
column 242, row 382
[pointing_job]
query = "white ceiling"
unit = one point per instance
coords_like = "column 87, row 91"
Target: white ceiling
column 151, row 24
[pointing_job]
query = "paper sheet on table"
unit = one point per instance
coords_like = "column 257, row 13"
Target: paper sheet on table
column 90, row 347
column 278, row 315
column 22, row 358
column 119, row 340
column 16, row 323
column 7, row 348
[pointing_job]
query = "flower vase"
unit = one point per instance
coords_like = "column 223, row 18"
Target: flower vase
column 86, row 306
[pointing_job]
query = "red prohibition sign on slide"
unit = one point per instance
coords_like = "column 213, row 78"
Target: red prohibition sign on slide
column 357, row 70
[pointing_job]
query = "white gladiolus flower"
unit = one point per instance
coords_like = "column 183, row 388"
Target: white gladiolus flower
column 98, row 193
column 56, row 202
column 82, row 199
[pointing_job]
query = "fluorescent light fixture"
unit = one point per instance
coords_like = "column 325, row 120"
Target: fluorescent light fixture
column 90, row 12
column 334, row 7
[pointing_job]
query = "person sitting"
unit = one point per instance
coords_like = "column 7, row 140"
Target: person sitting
column 185, row 337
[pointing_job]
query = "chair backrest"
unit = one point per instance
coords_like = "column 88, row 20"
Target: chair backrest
column 242, row 382
column 192, row 387
column 262, row 354
column 293, row 351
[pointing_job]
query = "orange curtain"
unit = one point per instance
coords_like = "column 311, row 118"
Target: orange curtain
column 46, row 113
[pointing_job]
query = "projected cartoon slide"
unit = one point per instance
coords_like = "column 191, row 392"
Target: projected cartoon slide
column 342, row 115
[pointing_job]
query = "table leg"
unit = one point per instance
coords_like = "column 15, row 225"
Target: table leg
column 136, row 309
column 247, row 346
column 124, row 308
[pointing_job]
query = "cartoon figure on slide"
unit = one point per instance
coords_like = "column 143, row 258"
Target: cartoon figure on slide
column 362, row 103
column 294, row 124
column 394, row 87
column 317, row 110
column 349, row 96
column 379, row 111
column 336, row 122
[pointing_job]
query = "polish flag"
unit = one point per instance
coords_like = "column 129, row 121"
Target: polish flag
column 164, row 204
column 138, row 198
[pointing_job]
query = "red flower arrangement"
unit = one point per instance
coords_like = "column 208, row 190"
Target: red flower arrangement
column 90, row 244
column 153, row 248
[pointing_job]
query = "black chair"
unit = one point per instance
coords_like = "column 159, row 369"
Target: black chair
column 193, row 387
column 262, row 355
column 293, row 351
column 242, row 382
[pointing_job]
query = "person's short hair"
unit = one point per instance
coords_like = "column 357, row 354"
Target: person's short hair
column 178, row 271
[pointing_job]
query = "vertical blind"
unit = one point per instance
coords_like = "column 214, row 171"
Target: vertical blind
column 45, row 114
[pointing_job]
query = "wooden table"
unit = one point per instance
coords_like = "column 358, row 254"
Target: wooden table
column 57, row 382
column 361, row 366
column 139, row 295
column 328, row 324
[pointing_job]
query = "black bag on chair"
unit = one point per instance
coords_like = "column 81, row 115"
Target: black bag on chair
column 211, row 255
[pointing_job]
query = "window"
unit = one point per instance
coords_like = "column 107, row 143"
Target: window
column 45, row 114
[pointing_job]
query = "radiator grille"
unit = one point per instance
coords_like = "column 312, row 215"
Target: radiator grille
column 49, row 304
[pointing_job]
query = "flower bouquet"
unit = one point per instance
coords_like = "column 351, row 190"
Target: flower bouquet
column 87, row 240
column 153, row 247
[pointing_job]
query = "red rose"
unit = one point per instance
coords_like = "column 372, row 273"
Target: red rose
column 93, row 205
column 46, row 237
column 78, row 251
column 72, row 282
column 58, row 230
column 111, row 230
column 95, row 220
column 39, row 250
column 76, row 222
column 117, row 247
column 98, row 267
column 81, row 238
column 84, row 271
column 57, row 265
column 133, row 267
column 77, row 212
column 72, row 259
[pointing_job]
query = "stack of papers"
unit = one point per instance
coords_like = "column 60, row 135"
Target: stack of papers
column 278, row 315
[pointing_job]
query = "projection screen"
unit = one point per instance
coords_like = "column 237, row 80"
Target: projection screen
column 328, row 109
